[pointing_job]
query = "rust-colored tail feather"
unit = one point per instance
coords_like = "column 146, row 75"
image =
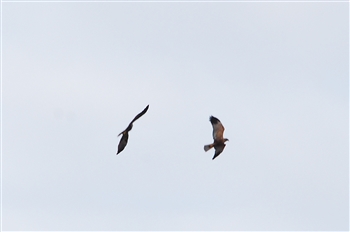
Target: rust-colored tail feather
column 208, row 147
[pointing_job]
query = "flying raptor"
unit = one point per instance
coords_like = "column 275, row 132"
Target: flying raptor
column 124, row 140
column 218, row 136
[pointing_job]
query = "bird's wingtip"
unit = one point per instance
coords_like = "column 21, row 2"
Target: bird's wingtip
column 213, row 119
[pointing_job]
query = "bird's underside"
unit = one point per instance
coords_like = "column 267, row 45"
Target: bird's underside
column 218, row 136
column 124, row 140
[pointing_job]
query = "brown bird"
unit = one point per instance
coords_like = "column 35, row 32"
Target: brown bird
column 124, row 139
column 218, row 136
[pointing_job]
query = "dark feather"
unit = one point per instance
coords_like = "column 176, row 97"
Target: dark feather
column 123, row 141
column 218, row 149
column 125, row 133
column 140, row 114
column 214, row 120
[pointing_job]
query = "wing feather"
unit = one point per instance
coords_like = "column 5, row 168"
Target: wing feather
column 140, row 114
column 218, row 128
column 123, row 141
column 218, row 150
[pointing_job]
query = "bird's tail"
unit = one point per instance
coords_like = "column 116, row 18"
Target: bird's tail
column 208, row 147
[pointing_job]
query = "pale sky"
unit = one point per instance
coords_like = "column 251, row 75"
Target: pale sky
column 75, row 74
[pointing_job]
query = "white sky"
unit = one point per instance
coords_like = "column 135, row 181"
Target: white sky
column 75, row 74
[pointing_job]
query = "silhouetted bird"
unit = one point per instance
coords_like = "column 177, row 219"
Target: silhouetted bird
column 124, row 139
column 218, row 136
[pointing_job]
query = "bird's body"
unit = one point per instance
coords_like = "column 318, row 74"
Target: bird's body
column 218, row 136
column 125, row 133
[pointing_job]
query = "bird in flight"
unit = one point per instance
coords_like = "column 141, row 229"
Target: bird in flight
column 218, row 136
column 124, row 140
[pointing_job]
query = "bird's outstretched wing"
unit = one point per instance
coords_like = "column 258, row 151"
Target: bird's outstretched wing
column 140, row 114
column 137, row 117
column 218, row 150
column 123, row 141
column 218, row 128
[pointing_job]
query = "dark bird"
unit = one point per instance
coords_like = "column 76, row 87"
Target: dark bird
column 218, row 136
column 124, row 139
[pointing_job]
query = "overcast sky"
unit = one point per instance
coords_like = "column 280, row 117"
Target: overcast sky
column 75, row 74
